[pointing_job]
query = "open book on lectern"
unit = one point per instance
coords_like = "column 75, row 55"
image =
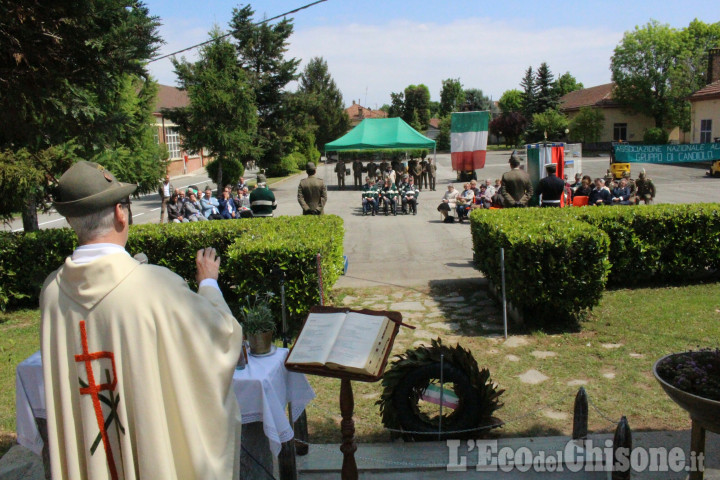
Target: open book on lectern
column 345, row 341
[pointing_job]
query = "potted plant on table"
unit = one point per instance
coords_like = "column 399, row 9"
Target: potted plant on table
column 692, row 380
column 258, row 326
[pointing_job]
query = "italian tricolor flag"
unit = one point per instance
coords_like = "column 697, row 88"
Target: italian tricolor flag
column 432, row 395
column 468, row 140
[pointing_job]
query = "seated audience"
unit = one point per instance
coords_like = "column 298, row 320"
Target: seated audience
column 448, row 203
column 192, row 209
column 227, row 205
column 464, row 202
column 410, row 194
column 209, row 206
column 621, row 194
column 601, row 194
column 175, row 210
column 369, row 197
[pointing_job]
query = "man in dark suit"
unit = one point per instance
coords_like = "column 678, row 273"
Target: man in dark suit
column 551, row 187
column 312, row 193
column 516, row 186
column 600, row 195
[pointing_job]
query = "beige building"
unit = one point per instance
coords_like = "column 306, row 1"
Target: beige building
column 619, row 124
column 705, row 104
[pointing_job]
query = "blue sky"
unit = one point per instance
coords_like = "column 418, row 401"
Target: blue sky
column 376, row 47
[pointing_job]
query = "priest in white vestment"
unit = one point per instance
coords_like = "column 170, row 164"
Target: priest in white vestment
column 138, row 368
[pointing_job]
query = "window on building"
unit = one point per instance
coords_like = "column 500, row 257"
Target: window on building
column 705, row 131
column 172, row 140
column 156, row 135
column 620, row 132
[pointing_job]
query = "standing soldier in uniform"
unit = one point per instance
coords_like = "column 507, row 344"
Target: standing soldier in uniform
column 340, row 170
column 312, row 192
column 372, row 169
column 431, row 171
column 424, row 174
column 551, row 188
column 417, row 173
column 645, row 189
column 357, row 168
column 516, row 186
column 384, row 168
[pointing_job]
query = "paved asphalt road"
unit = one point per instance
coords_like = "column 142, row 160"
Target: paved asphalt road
column 413, row 250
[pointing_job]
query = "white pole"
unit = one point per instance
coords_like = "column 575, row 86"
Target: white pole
column 504, row 300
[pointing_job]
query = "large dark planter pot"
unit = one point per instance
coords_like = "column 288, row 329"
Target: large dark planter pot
column 702, row 410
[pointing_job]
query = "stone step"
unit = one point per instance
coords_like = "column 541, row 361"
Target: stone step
column 438, row 460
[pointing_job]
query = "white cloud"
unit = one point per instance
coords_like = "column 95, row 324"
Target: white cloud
column 483, row 53
column 486, row 54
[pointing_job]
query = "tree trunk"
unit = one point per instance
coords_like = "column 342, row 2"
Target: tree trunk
column 29, row 215
column 219, row 178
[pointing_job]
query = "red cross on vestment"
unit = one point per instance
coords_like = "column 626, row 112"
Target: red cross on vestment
column 93, row 389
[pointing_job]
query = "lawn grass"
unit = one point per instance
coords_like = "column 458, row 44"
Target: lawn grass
column 613, row 353
column 19, row 338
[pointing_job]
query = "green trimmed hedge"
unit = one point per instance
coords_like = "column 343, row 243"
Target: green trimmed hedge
column 658, row 244
column 649, row 244
column 555, row 268
column 249, row 249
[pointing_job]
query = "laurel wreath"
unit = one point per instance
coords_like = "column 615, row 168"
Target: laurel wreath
column 480, row 390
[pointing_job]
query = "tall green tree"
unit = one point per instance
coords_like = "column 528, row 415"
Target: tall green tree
column 587, row 125
column 655, row 68
column 130, row 150
column 546, row 96
column 476, row 100
column 511, row 101
column 550, row 122
column 325, row 102
column 222, row 116
column 261, row 52
column 416, row 111
column 397, row 105
column 565, row 84
column 510, row 126
column 443, row 138
column 529, row 92
column 452, row 96
column 641, row 66
column 62, row 62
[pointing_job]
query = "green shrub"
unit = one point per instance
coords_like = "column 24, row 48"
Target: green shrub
column 555, row 267
column 287, row 165
column 656, row 136
column 232, row 170
column 250, row 249
column 658, row 243
column 26, row 259
column 290, row 243
column 545, row 249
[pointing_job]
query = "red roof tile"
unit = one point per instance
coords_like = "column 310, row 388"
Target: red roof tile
column 707, row 92
column 600, row 96
column 171, row 97
column 358, row 112
column 435, row 122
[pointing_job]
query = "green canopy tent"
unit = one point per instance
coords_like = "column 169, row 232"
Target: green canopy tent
column 381, row 133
